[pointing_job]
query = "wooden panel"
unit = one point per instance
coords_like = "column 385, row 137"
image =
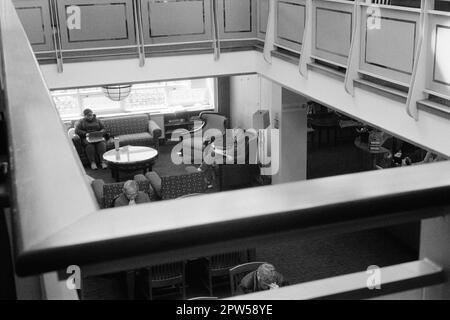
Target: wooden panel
column 263, row 15
column 389, row 50
column 35, row 18
column 380, row 48
column 103, row 24
column 176, row 21
column 332, row 31
column 438, row 79
column 441, row 67
column 290, row 24
column 237, row 19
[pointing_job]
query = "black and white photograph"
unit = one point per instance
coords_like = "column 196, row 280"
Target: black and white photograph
column 224, row 155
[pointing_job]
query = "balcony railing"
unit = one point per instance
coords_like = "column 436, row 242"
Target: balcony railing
column 140, row 28
column 57, row 222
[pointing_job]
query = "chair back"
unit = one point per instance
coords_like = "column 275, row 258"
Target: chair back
column 167, row 275
column 387, row 2
column 240, row 271
column 214, row 121
column 71, row 133
column 122, row 125
column 173, row 187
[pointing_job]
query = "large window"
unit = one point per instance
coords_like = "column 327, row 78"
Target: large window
column 157, row 97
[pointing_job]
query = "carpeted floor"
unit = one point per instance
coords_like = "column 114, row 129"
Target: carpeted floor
column 299, row 260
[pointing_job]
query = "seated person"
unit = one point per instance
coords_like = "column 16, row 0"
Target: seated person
column 131, row 195
column 85, row 126
column 263, row 278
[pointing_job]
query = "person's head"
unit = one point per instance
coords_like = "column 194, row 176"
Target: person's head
column 266, row 276
column 130, row 189
column 88, row 114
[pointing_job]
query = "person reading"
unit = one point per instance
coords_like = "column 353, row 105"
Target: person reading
column 131, row 195
column 263, row 278
column 92, row 133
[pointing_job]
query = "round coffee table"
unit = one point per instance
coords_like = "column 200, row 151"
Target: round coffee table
column 130, row 158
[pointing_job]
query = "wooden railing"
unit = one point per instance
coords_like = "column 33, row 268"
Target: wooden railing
column 57, row 222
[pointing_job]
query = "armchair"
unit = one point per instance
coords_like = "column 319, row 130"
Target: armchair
column 105, row 193
column 214, row 124
column 218, row 266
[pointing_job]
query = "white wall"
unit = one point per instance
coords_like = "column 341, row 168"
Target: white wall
column 294, row 137
column 95, row 73
column 250, row 93
column 244, row 100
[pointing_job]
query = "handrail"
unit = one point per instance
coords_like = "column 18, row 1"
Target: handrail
column 392, row 279
column 46, row 179
column 57, row 222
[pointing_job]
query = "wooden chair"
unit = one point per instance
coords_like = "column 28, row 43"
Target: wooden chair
column 169, row 275
column 220, row 264
column 238, row 272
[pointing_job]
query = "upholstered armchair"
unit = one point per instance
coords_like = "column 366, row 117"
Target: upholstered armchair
column 105, row 193
column 172, row 187
column 214, row 124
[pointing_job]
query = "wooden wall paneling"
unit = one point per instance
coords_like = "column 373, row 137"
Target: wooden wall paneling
column 104, row 24
column 389, row 50
column 332, row 31
column 290, row 24
column 237, row 19
column 35, row 18
column 176, row 21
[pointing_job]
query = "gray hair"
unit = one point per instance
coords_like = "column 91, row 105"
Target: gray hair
column 266, row 273
column 131, row 185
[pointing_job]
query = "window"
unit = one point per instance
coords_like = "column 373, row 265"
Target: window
column 155, row 97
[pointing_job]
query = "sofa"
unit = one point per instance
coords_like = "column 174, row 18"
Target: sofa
column 136, row 130
column 105, row 193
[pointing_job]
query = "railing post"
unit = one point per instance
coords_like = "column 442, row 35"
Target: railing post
column 305, row 56
column 54, row 16
column 139, row 33
column 270, row 32
column 418, row 83
column 215, row 30
column 355, row 50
